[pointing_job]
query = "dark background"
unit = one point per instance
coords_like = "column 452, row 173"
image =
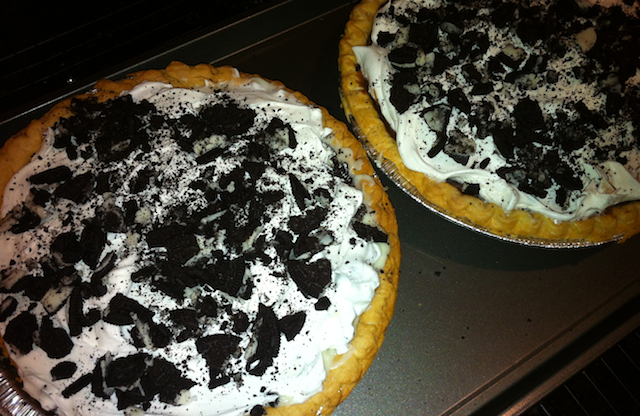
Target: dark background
column 47, row 48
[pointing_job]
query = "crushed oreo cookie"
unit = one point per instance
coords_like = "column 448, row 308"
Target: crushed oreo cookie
column 63, row 370
column 20, row 332
column 27, row 220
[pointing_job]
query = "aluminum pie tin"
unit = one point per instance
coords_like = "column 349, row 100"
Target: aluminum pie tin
column 392, row 172
column 13, row 400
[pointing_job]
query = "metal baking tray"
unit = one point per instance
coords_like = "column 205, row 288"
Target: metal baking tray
column 482, row 326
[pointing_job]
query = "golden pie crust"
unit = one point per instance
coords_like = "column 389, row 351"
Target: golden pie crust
column 616, row 223
column 347, row 369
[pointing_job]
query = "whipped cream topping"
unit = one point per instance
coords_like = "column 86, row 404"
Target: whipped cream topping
column 486, row 99
column 203, row 254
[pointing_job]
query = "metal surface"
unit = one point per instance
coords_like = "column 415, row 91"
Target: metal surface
column 480, row 322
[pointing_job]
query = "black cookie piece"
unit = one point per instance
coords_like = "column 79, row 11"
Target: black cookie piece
column 290, row 325
column 180, row 242
column 341, row 170
column 322, row 304
column 471, row 74
column 111, row 218
column 277, row 127
column 40, row 196
column 27, row 220
column 614, row 104
column 53, row 175
column 228, row 119
column 566, row 177
column 482, row 88
column 385, row 38
column 528, row 113
column 121, row 309
column 164, row 379
column 142, row 180
column 495, row 67
column 267, row 341
column 97, row 286
column 440, row 64
column 257, row 410
column 92, row 316
column 121, row 130
column 130, row 397
column 216, row 349
column 210, row 155
column 97, row 377
column 240, row 322
column 74, row 312
column 308, row 222
column 230, row 278
column 503, row 137
column 306, row 244
column 424, row 34
column 401, row 96
column 503, row 14
column 438, row 145
column 311, row 278
column 107, row 182
column 369, row 232
column 92, row 241
column 77, row 189
column 283, row 243
column 404, row 55
column 20, row 331
column 271, row 197
column 54, row 341
column 187, row 129
column 300, row 192
column 125, row 371
column 160, row 334
column 63, row 370
column 34, row 287
column 274, row 138
column 207, row 306
column 167, row 282
column 186, row 318
column 77, row 385
column 67, row 246
column 457, row 98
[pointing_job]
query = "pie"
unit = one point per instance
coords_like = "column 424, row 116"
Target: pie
column 512, row 118
column 189, row 239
